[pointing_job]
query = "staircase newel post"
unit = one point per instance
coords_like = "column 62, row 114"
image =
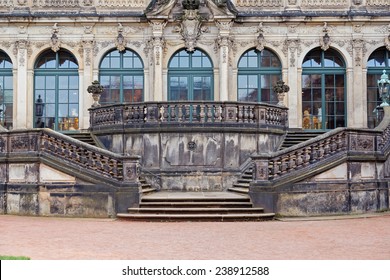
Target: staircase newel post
column 128, row 195
column 261, row 170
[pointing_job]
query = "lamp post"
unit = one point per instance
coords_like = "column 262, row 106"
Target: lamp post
column 384, row 89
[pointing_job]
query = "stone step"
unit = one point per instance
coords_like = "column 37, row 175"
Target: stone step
column 198, row 210
column 198, row 217
column 205, row 199
column 195, row 204
column 239, row 189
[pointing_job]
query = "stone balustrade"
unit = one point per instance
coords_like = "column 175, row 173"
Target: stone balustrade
column 338, row 144
column 77, row 155
column 190, row 114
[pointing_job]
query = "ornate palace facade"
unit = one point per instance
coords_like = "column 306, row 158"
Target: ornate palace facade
column 330, row 53
column 188, row 98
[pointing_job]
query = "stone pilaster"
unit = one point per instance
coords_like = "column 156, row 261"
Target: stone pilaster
column 223, row 43
column 356, row 91
column 24, row 109
column 157, row 45
column 85, row 98
column 292, row 49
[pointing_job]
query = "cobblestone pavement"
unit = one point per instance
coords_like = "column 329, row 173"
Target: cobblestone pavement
column 76, row 238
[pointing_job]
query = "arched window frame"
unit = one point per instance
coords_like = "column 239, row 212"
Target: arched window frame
column 6, row 91
column 56, row 83
column 122, row 76
column 374, row 71
column 192, row 72
column 324, row 92
column 258, row 72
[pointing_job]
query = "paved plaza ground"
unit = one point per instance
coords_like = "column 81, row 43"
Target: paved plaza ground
column 360, row 237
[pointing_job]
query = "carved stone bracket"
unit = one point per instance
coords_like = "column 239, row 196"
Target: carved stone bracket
column 260, row 38
column 54, row 40
column 120, row 41
column 325, row 39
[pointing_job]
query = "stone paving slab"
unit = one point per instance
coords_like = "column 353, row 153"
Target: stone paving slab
column 102, row 239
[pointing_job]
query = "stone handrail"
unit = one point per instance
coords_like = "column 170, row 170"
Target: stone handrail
column 189, row 113
column 74, row 154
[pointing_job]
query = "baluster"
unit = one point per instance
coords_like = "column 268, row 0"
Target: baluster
column 299, row 159
column 165, row 113
column 206, row 113
column 291, row 161
column 201, row 112
column 306, row 156
column 173, row 112
column 217, row 113
column 209, row 113
column 240, row 114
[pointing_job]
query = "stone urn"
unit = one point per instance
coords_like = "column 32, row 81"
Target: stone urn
column 96, row 90
column 280, row 89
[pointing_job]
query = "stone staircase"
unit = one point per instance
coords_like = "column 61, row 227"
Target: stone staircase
column 85, row 137
column 295, row 137
column 242, row 184
column 195, row 206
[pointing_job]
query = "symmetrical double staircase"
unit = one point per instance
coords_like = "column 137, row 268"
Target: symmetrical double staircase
column 234, row 205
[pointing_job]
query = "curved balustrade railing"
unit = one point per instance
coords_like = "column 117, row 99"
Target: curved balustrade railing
column 76, row 155
column 188, row 113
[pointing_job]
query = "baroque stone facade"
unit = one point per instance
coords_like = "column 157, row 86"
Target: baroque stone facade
column 223, row 30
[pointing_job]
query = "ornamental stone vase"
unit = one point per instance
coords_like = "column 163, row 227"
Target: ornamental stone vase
column 280, row 89
column 96, row 90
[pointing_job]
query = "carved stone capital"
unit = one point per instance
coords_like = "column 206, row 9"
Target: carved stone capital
column 158, row 27
column 224, row 26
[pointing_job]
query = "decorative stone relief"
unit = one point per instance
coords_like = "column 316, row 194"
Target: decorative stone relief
column 260, row 38
column 292, row 45
column 87, row 47
column 54, row 41
column 359, row 47
column 191, row 28
column 158, row 44
column 120, row 41
column 325, row 39
column 261, row 170
column 362, row 143
column 22, row 45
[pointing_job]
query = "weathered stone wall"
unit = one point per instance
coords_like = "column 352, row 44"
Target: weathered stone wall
column 353, row 187
column 193, row 160
column 38, row 189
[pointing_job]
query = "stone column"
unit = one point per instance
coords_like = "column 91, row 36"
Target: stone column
column 85, row 99
column 292, row 48
column 24, row 112
column 157, row 45
column 223, row 43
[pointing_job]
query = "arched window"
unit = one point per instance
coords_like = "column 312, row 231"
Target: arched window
column 323, row 90
column 377, row 62
column 190, row 76
column 56, row 84
column 122, row 77
column 6, row 91
column 258, row 72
